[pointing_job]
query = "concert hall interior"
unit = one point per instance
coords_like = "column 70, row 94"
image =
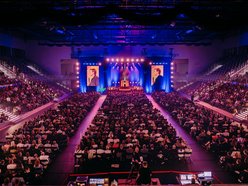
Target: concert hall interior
column 123, row 92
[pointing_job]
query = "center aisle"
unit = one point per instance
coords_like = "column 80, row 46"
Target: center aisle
column 201, row 160
column 64, row 163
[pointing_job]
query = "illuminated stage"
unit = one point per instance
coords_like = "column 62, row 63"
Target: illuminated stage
column 126, row 74
column 124, row 88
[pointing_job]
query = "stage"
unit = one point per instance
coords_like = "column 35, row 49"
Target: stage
column 124, row 89
column 126, row 74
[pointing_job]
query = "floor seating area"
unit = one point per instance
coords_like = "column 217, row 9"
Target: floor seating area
column 125, row 131
column 225, row 138
column 29, row 151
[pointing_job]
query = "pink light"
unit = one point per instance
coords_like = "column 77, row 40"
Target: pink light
column 137, row 60
column 127, row 59
column 107, row 59
column 77, row 68
column 122, row 59
column 117, row 59
column 150, row 63
column 77, row 63
column 112, row 59
column 142, row 59
column 132, row 60
column 99, row 64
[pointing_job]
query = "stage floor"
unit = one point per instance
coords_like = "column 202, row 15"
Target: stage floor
column 125, row 88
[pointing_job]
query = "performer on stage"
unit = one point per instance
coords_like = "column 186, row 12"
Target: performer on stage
column 125, row 78
column 125, row 74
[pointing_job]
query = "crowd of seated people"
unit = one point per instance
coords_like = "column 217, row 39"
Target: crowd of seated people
column 3, row 117
column 30, row 149
column 27, row 95
column 226, row 138
column 231, row 96
column 242, row 79
column 4, row 80
column 126, row 128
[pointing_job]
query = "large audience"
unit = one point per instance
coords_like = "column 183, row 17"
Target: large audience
column 5, row 80
column 27, row 95
column 126, row 128
column 225, row 138
column 226, row 95
column 31, row 148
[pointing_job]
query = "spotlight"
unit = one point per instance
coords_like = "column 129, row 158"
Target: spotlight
column 107, row 59
column 122, row 59
column 132, row 60
column 77, row 63
column 142, row 60
column 77, row 72
column 172, row 68
column 117, row 59
column 77, row 81
column 77, row 68
column 99, row 64
column 172, row 63
column 127, row 60
column 112, row 59
column 172, row 76
column 150, row 63
column 137, row 60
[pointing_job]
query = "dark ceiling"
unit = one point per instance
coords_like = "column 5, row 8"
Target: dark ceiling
column 123, row 22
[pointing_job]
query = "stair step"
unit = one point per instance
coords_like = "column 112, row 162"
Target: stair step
column 10, row 115
column 243, row 115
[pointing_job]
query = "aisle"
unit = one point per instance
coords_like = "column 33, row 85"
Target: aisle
column 64, row 162
column 201, row 160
